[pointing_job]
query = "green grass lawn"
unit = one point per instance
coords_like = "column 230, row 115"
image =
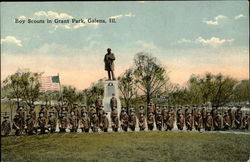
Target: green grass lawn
column 130, row 146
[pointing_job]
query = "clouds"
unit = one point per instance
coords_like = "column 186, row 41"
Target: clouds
column 145, row 45
column 215, row 21
column 239, row 16
column 13, row 40
column 212, row 42
column 220, row 18
column 53, row 14
column 122, row 15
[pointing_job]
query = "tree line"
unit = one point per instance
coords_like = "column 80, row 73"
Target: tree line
column 147, row 79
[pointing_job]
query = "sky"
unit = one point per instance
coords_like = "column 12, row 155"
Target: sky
column 189, row 37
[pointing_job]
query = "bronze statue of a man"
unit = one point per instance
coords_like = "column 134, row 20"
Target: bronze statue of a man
column 109, row 64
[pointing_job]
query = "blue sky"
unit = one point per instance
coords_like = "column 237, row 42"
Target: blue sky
column 187, row 37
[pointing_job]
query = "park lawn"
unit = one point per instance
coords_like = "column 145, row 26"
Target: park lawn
column 130, row 146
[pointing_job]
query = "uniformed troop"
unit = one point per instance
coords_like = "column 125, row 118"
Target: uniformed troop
column 95, row 119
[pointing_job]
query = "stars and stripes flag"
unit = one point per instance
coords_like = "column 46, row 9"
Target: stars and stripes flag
column 49, row 83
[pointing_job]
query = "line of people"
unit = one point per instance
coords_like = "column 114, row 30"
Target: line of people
column 96, row 119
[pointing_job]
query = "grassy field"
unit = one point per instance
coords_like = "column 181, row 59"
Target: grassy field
column 130, row 146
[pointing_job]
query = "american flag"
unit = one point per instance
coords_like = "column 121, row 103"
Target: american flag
column 49, row 83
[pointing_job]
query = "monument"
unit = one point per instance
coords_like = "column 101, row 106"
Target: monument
column 111, row 92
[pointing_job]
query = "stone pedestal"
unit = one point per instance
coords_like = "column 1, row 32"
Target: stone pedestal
column 111, row 87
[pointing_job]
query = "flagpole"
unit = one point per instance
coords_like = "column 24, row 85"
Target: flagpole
column 60, row 88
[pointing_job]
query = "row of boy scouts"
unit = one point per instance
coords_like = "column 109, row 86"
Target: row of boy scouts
column 95, row 119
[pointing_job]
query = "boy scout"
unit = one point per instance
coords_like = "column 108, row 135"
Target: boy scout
column 150, row 121
column 52, row 121
column 42, row 123
column 142, row 122
column 6, row 126
column 30, row 124
column 132, row 121
column 105, row 122
column 85, row 123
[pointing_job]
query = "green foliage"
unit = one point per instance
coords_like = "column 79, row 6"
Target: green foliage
column 69, row 95
column 242, row 92
column 91, row 94
column 217, row 89
column 22, row 85
column 127, row 87
column 149, row 75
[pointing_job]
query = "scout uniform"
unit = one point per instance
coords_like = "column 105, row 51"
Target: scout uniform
column 170, row 121
column 158, row 121
column 42, row 123
column 217, row 121
column 124, row 120
column 142, row 122
column 44, row 111
column 180, row 121
column 101, row 113
column 30, row 124
column 73, row 121
column 209, row 122
column 17, row 124
column 189, row 121
column 94, row 123
column 32, row 112
column 52, row 121
column 63, row 123
column 132, row 121
column 238, row 118
column 150, row 121
column 199, row 121
column 6, row 126
column 105, row 122
column 226, row 121
column 85, row 123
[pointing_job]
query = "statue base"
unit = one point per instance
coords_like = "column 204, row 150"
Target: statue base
column 110, row 88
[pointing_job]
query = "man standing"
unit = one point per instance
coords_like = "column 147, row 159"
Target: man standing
column 124, row 120
column 98, row 104
column 150, row 121
column 21, row 114
column 142, row 122
column 113, row 102
column 217, row 121
column 238, row 118
column 114, row 120
column 132, row 121
column 32, row 112
column 180, row 120
column 73, row 122
column 85, row 122
column 94, row 123
column 209, row 122
column 30, row 124
column 42, row 122
column 170, row 121
column 17, row 125
column 199, row 121
column 204, row 115
column 158, row 121
column 101, row 113
column 189, row 121
column 105, row 122
column 109, row 59
column 6, row 126
column 63, row 123
column 226, row 121
column 52, row 122
column 44, row 111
